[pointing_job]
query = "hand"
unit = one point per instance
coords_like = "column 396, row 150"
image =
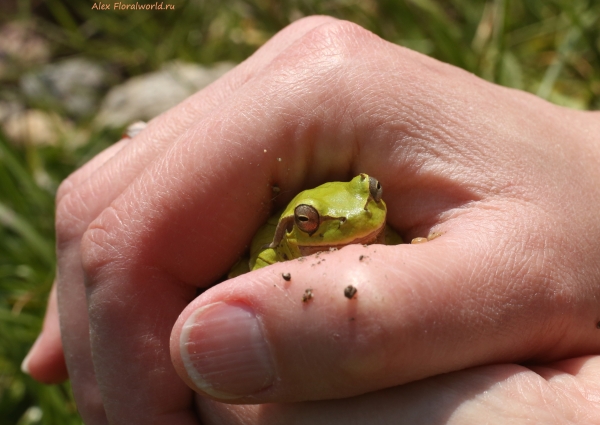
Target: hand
column 508, row 180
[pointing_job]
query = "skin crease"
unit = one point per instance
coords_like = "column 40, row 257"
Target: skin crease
column 510, row 181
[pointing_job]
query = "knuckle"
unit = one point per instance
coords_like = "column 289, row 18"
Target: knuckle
column 307, row 23
column 70, row 220
column 328, row 47
column 77, row 205
column 345, row 48
column 103, row 243
column 325, row 59
column 340, row 35
column 311, row 21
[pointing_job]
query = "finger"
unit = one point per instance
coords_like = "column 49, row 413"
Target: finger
column 91, row 190
column 45, row 361
column 259, row 341
column 506, row 393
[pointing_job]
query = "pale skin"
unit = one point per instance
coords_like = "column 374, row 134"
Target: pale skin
column 436, row 329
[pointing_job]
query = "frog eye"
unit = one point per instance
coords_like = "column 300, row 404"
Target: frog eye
column 375, row 189
column 306, row 218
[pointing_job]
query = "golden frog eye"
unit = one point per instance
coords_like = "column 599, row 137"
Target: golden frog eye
column 307, row 218
column 375, row 189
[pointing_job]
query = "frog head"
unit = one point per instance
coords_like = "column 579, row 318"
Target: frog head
column 331, row 216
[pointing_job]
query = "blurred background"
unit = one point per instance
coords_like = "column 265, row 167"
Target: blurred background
column 72, row 77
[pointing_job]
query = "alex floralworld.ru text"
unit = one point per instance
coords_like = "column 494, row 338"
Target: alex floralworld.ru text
column 136, row 6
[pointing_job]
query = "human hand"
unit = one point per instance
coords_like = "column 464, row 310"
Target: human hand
column 508, row 180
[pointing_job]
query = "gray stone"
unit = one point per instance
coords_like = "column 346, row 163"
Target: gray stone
column 143, row 97
column 72, row 85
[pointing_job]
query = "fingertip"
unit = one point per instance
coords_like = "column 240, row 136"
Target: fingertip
column 25, row 363
column 45, row 362
column 222, row 351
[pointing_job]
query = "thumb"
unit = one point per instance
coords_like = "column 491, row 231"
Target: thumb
column 418, row 311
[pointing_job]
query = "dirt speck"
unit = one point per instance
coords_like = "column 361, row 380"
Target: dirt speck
column 307, row 296
column 350, row 291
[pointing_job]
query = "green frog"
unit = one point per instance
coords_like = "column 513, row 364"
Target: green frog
column 327, row 217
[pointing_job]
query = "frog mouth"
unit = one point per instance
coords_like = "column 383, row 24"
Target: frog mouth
column 376, row 236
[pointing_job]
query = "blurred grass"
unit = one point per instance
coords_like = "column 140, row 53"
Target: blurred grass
column 550, row 48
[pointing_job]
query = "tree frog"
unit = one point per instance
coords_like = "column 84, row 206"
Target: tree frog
column 329, row 216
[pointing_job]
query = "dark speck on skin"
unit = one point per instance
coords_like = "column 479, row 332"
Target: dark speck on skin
column 350, row 291
column 286, row 276
column 307, row 296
